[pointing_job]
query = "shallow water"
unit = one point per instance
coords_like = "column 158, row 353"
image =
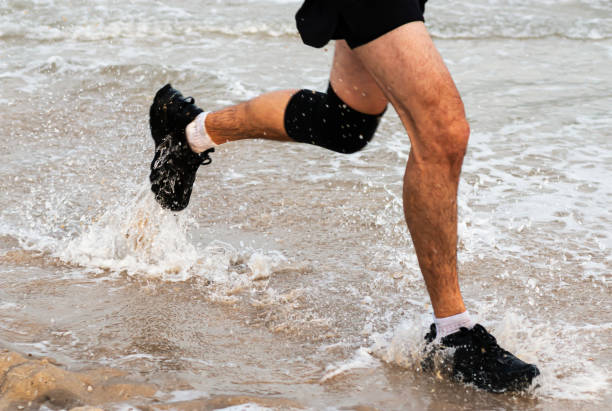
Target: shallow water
column 301, row 281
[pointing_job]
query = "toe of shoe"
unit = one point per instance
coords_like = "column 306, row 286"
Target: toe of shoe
column 520, row 379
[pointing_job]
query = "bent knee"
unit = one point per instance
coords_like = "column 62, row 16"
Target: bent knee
column 322, row 119
column 347, row 141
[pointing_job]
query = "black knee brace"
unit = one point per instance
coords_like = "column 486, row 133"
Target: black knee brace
column 324, row 120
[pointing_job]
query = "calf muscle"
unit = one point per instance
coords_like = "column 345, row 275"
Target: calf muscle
column 411, row 73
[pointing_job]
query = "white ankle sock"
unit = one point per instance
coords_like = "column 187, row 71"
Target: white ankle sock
column 197, row 137
column 448, row 325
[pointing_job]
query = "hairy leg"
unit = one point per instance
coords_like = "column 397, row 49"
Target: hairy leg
column 261, row 117
column 413, row 76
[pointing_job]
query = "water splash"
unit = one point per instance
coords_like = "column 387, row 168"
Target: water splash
column 139, row 238
column 135, row 238
column 568, row 370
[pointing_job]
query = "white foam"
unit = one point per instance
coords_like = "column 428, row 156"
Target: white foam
column 403, row 346
column 7, row 306
column 140, row 239
column 136, row 238
column 185, row 395
column 562, row 354
column 262, row 265
column 361, row 359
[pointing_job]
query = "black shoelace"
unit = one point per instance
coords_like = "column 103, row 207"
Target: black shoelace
column 204, row 156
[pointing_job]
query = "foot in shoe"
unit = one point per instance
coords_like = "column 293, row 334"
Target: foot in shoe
column 479, row 360
column 174, row 166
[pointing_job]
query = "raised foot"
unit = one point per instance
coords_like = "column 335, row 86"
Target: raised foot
column 174, row 165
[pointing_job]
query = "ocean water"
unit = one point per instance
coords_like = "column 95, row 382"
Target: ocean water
column 301, row 282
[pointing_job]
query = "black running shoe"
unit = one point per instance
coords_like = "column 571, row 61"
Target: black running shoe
column 174, row 166
column 479, row 360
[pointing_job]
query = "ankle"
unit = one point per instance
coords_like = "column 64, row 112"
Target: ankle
column 449, row 325
column 197, row 136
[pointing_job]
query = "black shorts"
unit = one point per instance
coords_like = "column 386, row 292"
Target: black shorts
column 356, row 21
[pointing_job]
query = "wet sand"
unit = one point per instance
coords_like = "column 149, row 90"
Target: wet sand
column 29, row 384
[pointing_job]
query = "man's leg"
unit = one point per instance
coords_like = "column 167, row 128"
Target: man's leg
column 263, row 117
column 414, row 78
column 410, row 71
column 404, row 67
column 184, row 135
